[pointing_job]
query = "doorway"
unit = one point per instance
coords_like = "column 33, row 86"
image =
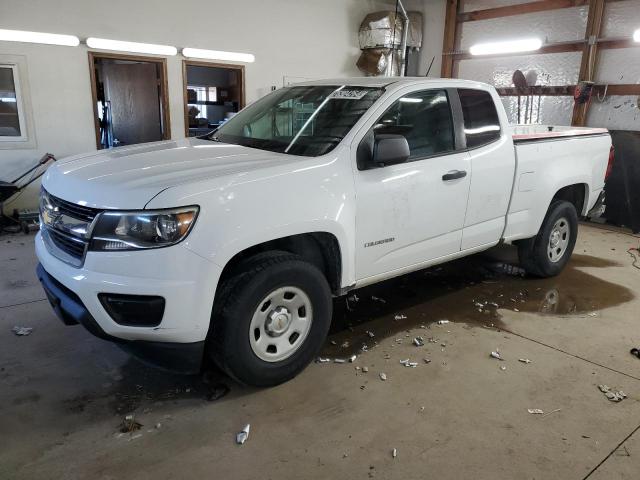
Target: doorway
column 213, row 93
column 130, row 100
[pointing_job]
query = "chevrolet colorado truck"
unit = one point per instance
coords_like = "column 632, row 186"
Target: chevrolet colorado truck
column 231, row 246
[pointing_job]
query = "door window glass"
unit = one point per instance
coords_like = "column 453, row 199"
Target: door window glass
column 481, row 124
column 424, row 119
column 11, row 122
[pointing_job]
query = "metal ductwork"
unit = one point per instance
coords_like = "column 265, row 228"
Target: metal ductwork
column 384, row 39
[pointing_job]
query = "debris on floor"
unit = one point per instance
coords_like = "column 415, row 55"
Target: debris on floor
column 129, row 424
column 400, row 317
column 500, row 267
column 635, row 351
column 339, row 360
column 503, row 368
column 323, row 360
column 378, row 299
column 551, row 412
column 612, row 395
column 418, row 341
column 243, row 435
column 496, row 355
column 370, row 334
column 383, row 376
column 408, row 363
column 352, row 358
column 22, row 331
column 394, row 453
column 524, row 360
column 365, row 369
column 217, row 391
column 443, row 322
column 535, row 411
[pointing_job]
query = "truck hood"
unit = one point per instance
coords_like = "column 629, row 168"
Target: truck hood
column 128, row 177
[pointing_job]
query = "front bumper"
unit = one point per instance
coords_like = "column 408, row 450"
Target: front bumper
column 177, row 357
column 185, row 280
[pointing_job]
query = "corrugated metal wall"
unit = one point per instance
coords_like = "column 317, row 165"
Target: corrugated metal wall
column 569, row 24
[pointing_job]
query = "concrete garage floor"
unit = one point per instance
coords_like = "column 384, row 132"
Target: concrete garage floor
column 64, row 393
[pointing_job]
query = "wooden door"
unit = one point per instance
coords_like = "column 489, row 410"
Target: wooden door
column 133, row 90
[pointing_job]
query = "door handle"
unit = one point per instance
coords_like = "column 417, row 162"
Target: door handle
column 454, row 175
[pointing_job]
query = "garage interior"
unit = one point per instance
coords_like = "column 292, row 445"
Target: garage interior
column 508, row 367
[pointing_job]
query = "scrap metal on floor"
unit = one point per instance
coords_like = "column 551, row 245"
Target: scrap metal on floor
column 511, row 377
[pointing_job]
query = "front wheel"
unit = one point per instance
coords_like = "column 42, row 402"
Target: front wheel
column 546, row 254
column 274, row 316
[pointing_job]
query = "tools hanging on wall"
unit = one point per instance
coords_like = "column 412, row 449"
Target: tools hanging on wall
column 526, row 85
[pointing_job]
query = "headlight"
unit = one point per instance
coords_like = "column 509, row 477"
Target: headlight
column 117, row 231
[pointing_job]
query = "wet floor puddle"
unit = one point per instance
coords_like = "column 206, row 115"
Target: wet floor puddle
column 470, row 291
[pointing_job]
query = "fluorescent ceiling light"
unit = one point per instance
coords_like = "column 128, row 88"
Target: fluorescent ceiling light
column 636, row 35
column 218, row 55
column 39, row 37
column 512, row 46
column 120, row 46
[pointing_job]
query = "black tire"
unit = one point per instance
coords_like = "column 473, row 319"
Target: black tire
column 533, row 252
column 238, row 299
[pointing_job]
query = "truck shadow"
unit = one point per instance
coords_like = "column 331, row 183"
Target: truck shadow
column 471, row 291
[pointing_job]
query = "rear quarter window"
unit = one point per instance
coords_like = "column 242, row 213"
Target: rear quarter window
column 481, row 124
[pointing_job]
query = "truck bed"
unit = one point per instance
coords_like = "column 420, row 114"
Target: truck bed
column 530, row 133
column 548, row 159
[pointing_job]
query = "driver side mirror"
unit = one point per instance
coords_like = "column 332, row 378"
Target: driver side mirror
column 390, row 149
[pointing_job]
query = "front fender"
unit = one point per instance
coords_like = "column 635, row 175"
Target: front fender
column 248, row 209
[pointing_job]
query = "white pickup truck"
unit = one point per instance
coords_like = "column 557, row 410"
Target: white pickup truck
column 232, row 245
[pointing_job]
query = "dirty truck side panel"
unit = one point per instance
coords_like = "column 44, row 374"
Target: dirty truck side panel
column 543, row 168
column 492, row 170
column 315, row 194
column 406, row 213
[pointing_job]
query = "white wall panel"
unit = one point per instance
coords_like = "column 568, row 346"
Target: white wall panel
column 618, row 65
column 621, row 18
column 615, row 113
column 544, row 110
column 552, row 68
column 552, row 26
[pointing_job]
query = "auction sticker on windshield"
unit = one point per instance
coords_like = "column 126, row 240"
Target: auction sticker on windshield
column 348, row 94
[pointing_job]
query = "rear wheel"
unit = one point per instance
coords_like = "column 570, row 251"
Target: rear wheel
column 546, row 254
column 273, row 316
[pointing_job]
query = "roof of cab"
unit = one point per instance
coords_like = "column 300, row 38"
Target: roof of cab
column 381, row 81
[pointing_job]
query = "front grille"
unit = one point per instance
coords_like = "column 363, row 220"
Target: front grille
column 80, row 212
column 66, row 227
column 68, row 244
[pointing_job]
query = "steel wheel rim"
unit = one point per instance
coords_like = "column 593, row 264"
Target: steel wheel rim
column 280, row 324
column 558, row 240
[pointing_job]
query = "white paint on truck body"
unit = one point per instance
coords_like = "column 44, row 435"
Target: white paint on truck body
column 387, row 221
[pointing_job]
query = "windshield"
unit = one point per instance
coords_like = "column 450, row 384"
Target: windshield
column 308, row 121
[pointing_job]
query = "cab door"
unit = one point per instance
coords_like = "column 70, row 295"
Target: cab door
column 493, row 164
column 411, row 213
